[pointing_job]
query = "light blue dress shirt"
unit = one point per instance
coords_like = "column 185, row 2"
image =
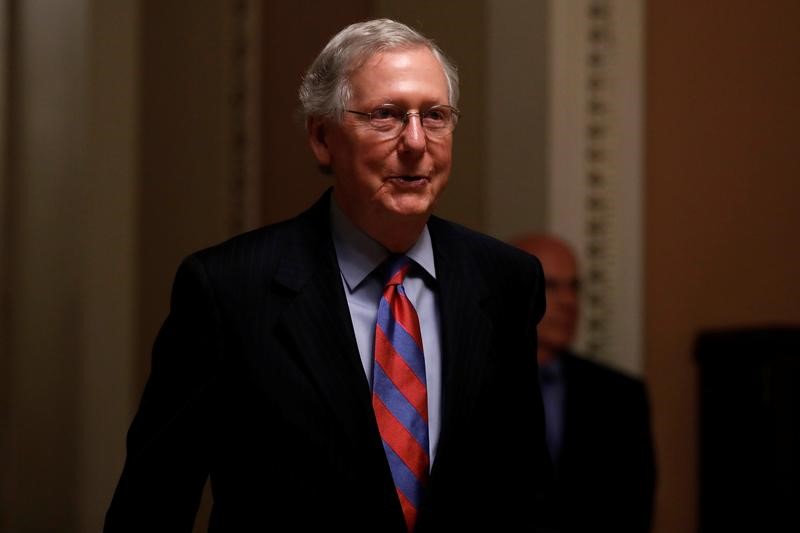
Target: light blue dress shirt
column 358, row 256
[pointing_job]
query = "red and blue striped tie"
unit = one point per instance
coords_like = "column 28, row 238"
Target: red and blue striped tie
column 399, row 394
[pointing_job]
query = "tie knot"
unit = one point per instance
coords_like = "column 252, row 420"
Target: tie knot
column 396, row 269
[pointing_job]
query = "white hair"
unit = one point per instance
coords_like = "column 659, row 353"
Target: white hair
column 325, row 89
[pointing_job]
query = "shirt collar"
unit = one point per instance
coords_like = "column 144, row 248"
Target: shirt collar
column 358, row 254
column 552, row 372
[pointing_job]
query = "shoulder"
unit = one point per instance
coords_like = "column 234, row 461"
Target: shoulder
column 488, row 254
column 256, row 249
column 287, row 245
column 604, row 397
column 509, row 281
column 600, row 377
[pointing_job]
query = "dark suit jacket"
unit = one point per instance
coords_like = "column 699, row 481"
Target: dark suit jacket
column 256, row 380
column 605, row 473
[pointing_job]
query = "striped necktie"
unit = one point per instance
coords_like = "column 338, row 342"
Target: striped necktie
column 399, row 396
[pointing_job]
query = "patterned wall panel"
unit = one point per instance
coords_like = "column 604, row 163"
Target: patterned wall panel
column 595, row 166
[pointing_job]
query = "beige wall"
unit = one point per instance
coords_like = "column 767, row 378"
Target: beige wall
column 290, row 179
column 723, row 182
column 68, row 284
column 184, row 147
column 516, row 119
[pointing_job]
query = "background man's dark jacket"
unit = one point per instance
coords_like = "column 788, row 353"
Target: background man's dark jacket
column 606, row 472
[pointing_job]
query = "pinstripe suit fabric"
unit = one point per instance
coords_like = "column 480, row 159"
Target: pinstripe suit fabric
column 256, row 381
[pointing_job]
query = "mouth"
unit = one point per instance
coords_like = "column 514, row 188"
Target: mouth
column 409, row 179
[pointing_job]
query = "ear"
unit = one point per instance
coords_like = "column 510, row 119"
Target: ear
column 317, row 137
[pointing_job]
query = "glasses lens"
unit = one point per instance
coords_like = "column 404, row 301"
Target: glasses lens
column 439, row 120
column 390, row 119
column 436, row 118
column 387, row 119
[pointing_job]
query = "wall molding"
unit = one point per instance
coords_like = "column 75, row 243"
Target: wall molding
column 595, row 166
column 244, row 98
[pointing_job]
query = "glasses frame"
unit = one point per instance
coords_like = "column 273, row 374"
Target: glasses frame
column 440, row 132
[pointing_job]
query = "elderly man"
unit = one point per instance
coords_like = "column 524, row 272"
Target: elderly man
column 363, row 366
column 598, row 427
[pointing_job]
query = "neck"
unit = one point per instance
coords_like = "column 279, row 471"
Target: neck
column 397, row 233
column 545, row 355
column 398, row 238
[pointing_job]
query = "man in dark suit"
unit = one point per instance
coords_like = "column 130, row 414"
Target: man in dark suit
column 598, row 427
column 275, row 374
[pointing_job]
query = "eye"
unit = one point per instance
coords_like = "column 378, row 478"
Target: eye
column 386, row 113
column 438, row 115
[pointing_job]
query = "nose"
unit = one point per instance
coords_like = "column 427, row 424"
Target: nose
column 412, row 138
column 562, row 294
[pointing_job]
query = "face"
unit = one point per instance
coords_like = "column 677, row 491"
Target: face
column 557, row 327
column 381, row 182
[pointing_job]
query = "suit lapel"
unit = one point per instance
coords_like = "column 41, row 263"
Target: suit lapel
column 318, row 326
column 466, row 330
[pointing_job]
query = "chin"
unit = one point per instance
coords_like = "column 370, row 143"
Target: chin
column 410, row 205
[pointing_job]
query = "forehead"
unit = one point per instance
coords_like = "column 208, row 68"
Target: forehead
column 400, row 74
column 558, row 263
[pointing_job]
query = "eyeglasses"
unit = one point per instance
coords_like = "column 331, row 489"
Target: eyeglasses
column 389, row 119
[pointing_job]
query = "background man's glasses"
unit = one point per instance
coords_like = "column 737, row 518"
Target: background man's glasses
column 389, row 119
